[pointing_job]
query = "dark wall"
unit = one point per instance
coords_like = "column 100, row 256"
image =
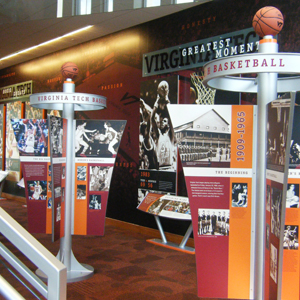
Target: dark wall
column 112, row 66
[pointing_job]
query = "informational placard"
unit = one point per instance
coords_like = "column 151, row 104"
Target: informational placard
column 168, row 206
column 96, row 146
column 157, row 150
column 31, row 136
column 279, row 123
column 58, row 150
column 291, row 251
column 215, row 144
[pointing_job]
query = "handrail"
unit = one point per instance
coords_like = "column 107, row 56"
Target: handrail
column 38, row 254
column 8, row 291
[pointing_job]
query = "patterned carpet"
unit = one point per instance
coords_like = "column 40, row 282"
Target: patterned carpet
column 126, row 266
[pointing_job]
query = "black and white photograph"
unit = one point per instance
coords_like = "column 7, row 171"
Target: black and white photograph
column 277, row 130
column 32, row 112
column 56, row 135
column 203, row 134
column 63, row 172
column 57, row 192
column 213, row 222
column 158, row 206
column 81, row 173
column 95, row 202
column 290, row 237
column 37, row 189
column 81, row 192
column 276, row 211
column 292, row 195
column 156, row 136
column 141, row 195
column 268, row 198
column 239, row 195
column 95, row 138
column 295, row 141
column 31, row 136
column 268, row 236
column 58, row 212
column 273, row 263
column 100, row 178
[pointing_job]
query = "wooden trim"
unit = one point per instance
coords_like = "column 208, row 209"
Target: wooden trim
column 13, row 197
column 152, row 233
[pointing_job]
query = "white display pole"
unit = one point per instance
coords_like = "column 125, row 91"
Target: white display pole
column 75, row 270
column 68, row 101
column 266, row 92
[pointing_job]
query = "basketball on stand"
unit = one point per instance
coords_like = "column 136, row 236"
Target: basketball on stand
column 268, row 21
column 69, row 70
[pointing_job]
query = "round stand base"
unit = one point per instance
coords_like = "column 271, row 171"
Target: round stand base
column 83, row 272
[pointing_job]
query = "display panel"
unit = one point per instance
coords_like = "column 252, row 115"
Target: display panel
column 215, row 144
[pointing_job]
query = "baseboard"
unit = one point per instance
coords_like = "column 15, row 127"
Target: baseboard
column 152, row 233
column 13, row 197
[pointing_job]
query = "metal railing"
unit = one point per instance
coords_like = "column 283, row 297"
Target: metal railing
column 56, row 272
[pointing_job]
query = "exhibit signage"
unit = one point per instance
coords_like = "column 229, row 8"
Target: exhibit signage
column 32, row 144
column 96, row 146
column 291, row 251
column 168, row 206
column 58, row 150
column 279, row 123
column 16, row 91
column 56, row 100
column 215, row 143
column 219, row 73
column 196, row 54
column 157, row 149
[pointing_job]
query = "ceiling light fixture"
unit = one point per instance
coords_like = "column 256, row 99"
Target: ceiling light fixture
column 45, row 43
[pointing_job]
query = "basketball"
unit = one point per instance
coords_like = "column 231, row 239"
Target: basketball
column 69, row 70
column 268, row 21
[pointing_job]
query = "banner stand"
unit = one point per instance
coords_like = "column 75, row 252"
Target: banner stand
column 268, row 63
column 163, row 241
column 68, row 101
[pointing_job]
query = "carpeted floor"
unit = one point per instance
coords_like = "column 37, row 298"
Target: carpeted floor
column 127, row 267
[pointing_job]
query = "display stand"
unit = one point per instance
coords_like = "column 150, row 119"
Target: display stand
column 163, row 241
column 223, row 74
column 68, row 101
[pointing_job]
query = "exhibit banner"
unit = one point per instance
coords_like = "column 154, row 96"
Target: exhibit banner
column 96, row 146
column 215, row 144
column 12, row 157
column 291, row 251
column 196, row 54
column 168, row 206
column 279, row 123
column 1, row 134
column 31, row 136
column 58, row 151
column 157, row 149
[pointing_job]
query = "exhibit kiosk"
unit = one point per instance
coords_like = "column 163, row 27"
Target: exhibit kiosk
column 69, row 101
column 224, row 74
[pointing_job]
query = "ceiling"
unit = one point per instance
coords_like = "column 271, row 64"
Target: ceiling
column 17, row 33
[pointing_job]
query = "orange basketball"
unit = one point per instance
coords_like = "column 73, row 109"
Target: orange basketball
column 268, row 21
column 69, row 70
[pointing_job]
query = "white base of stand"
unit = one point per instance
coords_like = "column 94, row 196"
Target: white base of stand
column 78, row 271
